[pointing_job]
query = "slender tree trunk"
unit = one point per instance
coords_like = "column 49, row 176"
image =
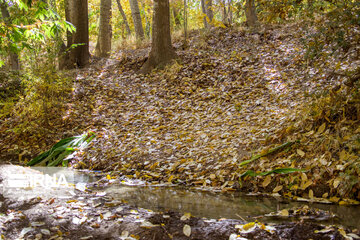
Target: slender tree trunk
column 64, row 53
column 185, row 23
column 224, row 12
column 162, row 51
column 176, row 16
column 209, row 10
column 203, row 7
column 123, row 16
column 230, row 13
column 135, row 12
column 250, row 12
column 60, row 43
column 14, row 57
column 147, row 22
column 77, row 14
column 103, row 46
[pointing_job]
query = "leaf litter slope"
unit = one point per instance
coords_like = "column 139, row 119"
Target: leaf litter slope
column 203, row 115
column 233, row 94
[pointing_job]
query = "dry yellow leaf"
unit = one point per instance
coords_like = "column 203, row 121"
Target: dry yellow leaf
column 267, row 181
column 248, row 226
column 346, row 138
column 343, row 155
column 171, row 178
column 343, row 203
column 154, row 165
column 185, row 217
column 277, row 188
column 321, row 128
column 311, row 194
column 336, row 182
column 306, row 184
column 357, row 130
column 289, row 129
column 300, row 152
column 303, row 177
column 284, row 213
column 343, row 233
column 309, row 133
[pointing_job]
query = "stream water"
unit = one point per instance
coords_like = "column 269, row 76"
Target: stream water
column 213, row 205
column 217, row 205
column 220, row 205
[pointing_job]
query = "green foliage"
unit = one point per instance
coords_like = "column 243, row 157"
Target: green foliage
column 58, row 153
column 30, row 25
column 271, row 151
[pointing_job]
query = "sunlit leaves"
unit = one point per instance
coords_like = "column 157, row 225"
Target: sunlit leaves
column 38, row 24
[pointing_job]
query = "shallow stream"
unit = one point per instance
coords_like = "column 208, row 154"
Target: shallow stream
column 225, row 205
column 213, row 205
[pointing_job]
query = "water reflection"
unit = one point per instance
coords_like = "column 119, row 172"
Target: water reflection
column 217, row 205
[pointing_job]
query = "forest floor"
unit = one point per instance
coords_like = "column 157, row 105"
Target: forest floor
column 232, row 96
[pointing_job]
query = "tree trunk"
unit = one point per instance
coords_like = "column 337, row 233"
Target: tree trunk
column 124, row 17
column 250, row 12
column 147, row 22
column 176, row 17
column 185, row 23
column 224, row 13
column 203, row 7
column 61, row 47
column 14, row 57
column 162, row 51
column 135, row 12
column 209, row 10
column 230, row 13
column 77, row 14
column 103, row 46
column 175, row 11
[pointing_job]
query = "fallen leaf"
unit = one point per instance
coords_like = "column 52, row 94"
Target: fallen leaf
column 267, row 181
column 277, row 188
column 337, row 182
column 171, row 178
column 321, row 129
column 284, row 213
column 185, row 217
column 300, row 152
column 147, row 224
column 187, row 230
column 248, row 226
column 306, row 184
column 311, row 194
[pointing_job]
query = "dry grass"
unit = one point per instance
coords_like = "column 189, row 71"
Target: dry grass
column 130, row 43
